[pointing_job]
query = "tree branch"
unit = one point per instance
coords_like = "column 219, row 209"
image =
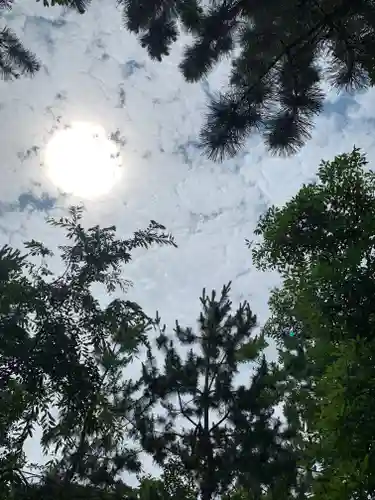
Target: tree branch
column 183, row 411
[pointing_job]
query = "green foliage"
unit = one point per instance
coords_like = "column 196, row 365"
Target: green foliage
column 276, row 50
column 346, row 423
column 205, row 424
column 322, row 243
column 62, row 357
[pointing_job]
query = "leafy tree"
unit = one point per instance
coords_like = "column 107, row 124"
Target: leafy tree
column 322, row 243
column 62, row 357
column 209, row 428
column 277, row 49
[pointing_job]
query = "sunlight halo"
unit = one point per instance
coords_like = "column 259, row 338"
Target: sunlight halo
column 82, row 161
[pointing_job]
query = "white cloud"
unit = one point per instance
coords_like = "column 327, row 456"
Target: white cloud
column 93, row 70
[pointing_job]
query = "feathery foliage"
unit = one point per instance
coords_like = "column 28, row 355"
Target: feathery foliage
column 15, row 59
column 62, row 358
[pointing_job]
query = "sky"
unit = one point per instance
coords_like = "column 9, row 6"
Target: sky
column 93, row 70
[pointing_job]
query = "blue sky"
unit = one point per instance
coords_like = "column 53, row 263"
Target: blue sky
column 94, row 70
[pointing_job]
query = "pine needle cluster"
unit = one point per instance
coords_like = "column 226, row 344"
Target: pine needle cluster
column 278, row 51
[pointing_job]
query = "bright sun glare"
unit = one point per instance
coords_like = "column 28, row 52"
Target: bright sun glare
column 82, row 161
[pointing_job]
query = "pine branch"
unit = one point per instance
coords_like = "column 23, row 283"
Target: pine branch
column 15, row 60
column 218, row 148
column 222, row 420
column 194, row 424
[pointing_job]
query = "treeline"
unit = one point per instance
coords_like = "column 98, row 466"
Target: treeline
column 214, row 434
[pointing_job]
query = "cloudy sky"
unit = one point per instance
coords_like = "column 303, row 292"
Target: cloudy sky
column 94, row 71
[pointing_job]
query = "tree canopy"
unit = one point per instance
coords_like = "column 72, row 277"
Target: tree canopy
column 62, row 355
column 64, row 360
column 109, row 384
column 63, row 364
column 322, row 243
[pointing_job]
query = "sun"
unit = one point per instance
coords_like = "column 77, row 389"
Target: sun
column 82, row 161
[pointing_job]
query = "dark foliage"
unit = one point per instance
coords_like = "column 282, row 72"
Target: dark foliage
column 79, row 5
column 15, row 60
column 281, row 53
column 62, row 358
column 275, row 84
column 213, row 431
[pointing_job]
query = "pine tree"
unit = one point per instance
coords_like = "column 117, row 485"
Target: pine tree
column 62, row 357
column 16, row 60
column 204, row 424
column 277, row 49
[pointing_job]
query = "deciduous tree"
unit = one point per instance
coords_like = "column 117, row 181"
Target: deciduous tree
column 322, row 243
column 62, row 357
